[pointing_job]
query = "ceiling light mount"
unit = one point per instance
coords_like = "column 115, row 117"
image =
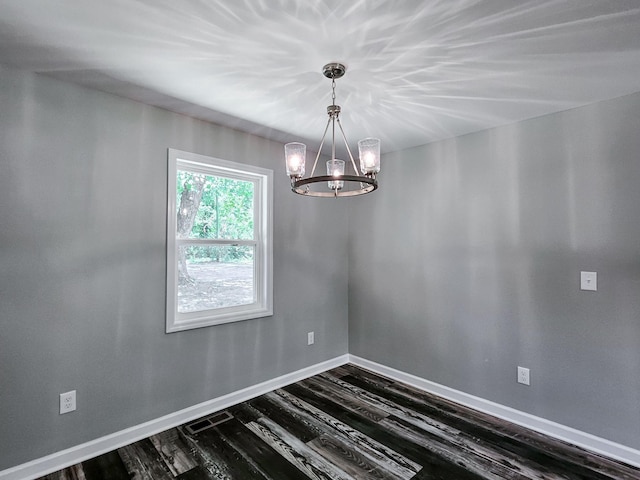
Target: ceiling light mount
column 337, row 182
column 334, row 70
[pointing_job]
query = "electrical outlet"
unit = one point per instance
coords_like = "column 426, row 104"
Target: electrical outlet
column 310, row 338
column 523, row 376
column 67, row 402
column 589, row 281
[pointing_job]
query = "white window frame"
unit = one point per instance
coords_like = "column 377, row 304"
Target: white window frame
column 263, row 241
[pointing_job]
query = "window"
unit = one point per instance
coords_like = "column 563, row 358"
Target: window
column 219, row 236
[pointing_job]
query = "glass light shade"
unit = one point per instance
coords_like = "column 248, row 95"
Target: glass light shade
column 295, row 155
column 369, row 150
column 335, row 168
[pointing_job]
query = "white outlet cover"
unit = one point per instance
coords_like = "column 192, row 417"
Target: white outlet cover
column 589, row 281
column 310, row 338
column 523, row 375
column 67, row 402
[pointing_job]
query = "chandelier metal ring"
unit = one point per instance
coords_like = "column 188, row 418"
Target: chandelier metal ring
column 299, row 186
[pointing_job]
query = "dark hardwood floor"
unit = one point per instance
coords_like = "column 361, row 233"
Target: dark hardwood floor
column 349, row 423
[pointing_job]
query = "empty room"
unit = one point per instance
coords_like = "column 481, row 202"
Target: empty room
column 297, row 239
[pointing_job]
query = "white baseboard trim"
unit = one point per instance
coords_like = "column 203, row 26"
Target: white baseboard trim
column 71, row 456
column 576, row 437
column 59, row 460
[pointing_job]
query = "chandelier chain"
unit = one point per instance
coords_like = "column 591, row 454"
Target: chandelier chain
column 333, row 91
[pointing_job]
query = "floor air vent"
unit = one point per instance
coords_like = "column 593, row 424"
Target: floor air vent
column 208, row 422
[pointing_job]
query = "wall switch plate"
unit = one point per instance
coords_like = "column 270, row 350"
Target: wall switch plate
column 589, row 281
column 310, row 338
column 523, row 376
column 67, row 402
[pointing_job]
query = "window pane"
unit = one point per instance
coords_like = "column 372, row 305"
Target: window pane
column 216, row 276
column 213, row 207
column 219, row 246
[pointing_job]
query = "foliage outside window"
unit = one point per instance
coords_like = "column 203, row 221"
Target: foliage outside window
column 218, row 241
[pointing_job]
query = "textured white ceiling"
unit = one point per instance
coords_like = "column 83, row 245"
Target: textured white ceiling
column 418, row 71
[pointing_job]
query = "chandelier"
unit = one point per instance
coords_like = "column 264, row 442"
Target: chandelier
column 337, row 182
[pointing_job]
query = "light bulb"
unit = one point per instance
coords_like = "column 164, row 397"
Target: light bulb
column 369, row 149
column 335, row 168
column 295, row 154
column 369, row 160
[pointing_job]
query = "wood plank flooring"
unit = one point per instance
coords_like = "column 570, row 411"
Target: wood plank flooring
column 349, row 423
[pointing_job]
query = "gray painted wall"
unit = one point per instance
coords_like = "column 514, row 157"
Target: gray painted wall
column 465, row 264
column 82, row 270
